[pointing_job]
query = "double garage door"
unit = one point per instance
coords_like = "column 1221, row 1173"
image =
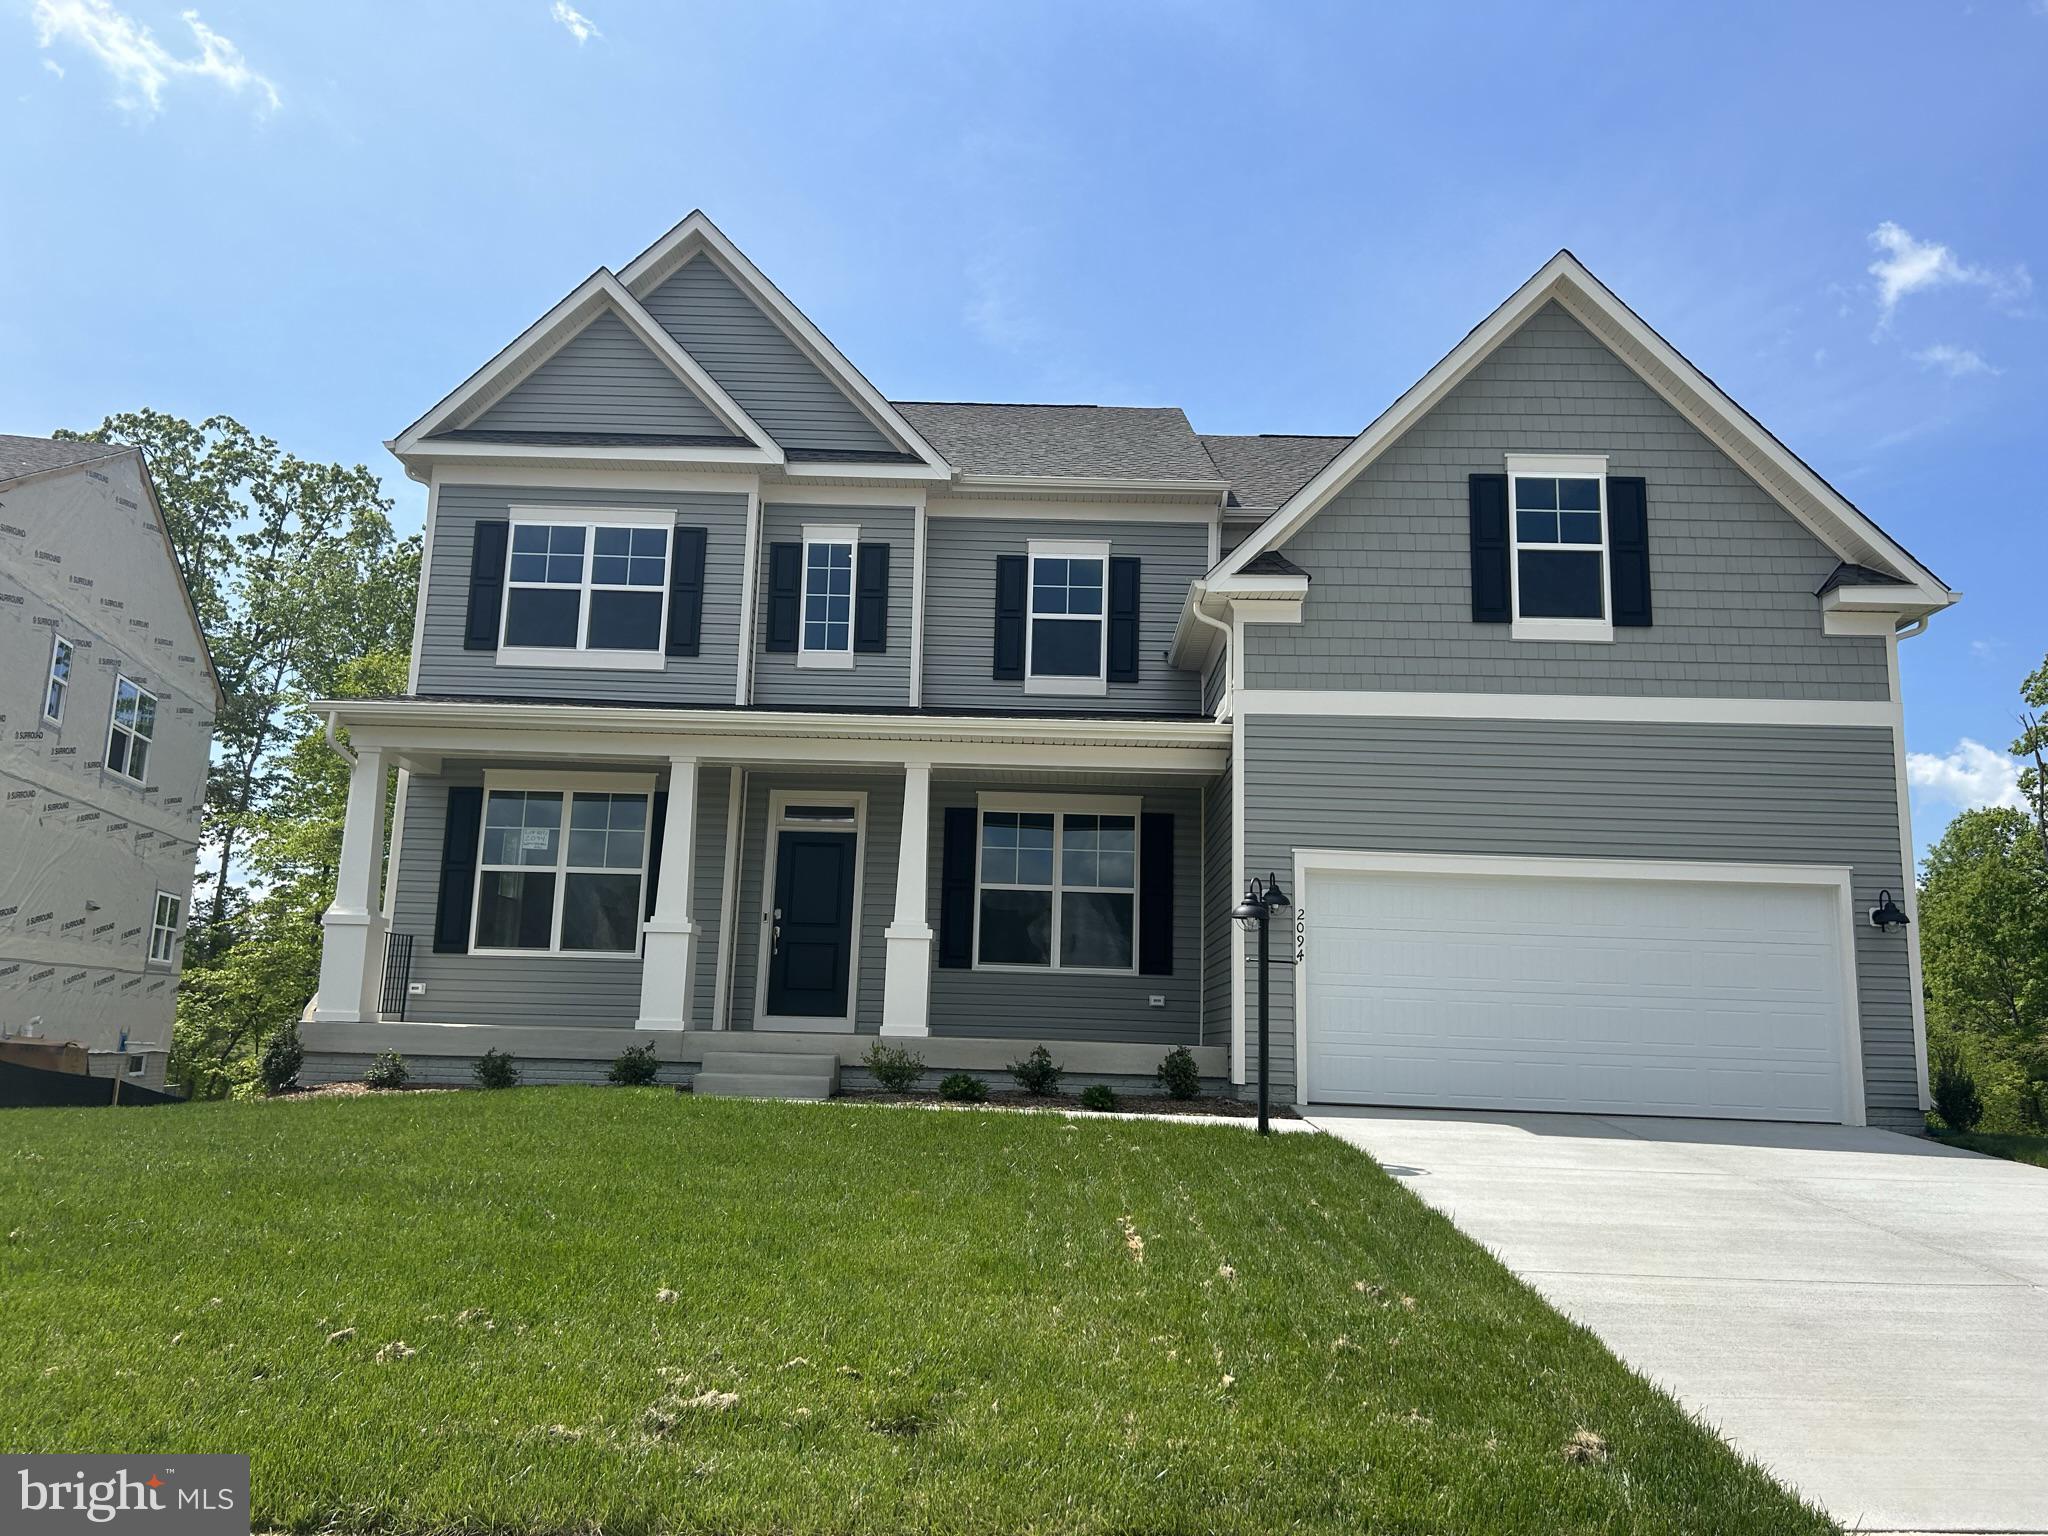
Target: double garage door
column 1572, row 985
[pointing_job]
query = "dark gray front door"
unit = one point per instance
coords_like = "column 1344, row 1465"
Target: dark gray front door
column 811, row 926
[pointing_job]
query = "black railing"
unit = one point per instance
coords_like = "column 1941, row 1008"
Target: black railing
column 397, row 976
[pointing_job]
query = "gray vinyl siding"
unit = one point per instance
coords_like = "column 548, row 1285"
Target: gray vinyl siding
column 539, row 989
column 960, row 607
column 1732, row 573
column 757, row 364
column 1219, row 896
column 872, row 680
column 1739, row 794
column 877, row 904
column 706, row 678
column 1214, row 679
column 1051, row 1005
column 603, row 379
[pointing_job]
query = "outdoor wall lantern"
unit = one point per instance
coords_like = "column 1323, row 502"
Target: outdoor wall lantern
column 1886, row 913
column 1259, row 904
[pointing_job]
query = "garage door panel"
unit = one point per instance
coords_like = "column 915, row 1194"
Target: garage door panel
column 1614, row 995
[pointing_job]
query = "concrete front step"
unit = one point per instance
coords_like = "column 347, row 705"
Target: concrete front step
column 763, row 1085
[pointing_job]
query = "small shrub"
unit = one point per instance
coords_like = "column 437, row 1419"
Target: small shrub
column 963, row 1088
column 1038, row 1074
column 635, row 1067
column 282, row 1058
column 1179, row 1077
column 895, row 1068
column 1098, row 1096
column 387, row 1070
column 494, row 1069
column 1956, row 1098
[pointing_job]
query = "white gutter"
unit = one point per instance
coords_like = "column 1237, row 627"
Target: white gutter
column 335, row 742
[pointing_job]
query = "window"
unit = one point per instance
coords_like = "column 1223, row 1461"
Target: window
column 538, row 889
column 582, row 592
column 1558, row 523
column 60, row 680
column 136, row 1066
column 827, row 637
column 1066, row 637
column 163, row 928
column 1057, row 889
column 133, row 730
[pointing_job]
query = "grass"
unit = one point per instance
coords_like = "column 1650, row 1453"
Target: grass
column 2016, row 1147
column 940, row 1320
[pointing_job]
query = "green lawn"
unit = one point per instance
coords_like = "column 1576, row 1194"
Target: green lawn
column 2016, row 1148
column 949, row 1321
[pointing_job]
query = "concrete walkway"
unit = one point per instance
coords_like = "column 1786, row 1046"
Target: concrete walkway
column 1863, row 1313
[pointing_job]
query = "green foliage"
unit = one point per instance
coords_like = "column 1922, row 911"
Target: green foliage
column 1955, row 1093
column 282, row 1057
column 495, row 1069
column 387, row 1070
column 1099, row 1096
column 635, row 1067
column 963, row 1088
column 1037, row 1073
column 895, row 1068
column 1179, row 1077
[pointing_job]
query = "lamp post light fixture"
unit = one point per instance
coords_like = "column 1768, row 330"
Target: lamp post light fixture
column 1260, row 902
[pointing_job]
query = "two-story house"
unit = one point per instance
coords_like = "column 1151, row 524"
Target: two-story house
column 755, row 713
column 107, row 704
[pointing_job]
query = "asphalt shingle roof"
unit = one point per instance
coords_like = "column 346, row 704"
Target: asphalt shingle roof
column 32, row 455
column 1264, row 471
column 1110, row 442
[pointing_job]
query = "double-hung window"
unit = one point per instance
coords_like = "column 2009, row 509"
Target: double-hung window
column 561, row 870
column 132, row 732
column 163, row 928
column 1067, row 632
column 58, row 689
column 1057, row 888
column 588, row 594
column 827, row 632
column 1558, row 524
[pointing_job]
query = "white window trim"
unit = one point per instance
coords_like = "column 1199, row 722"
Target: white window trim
column 779, row 802
column 176, row 927
column 590, row 519
column 1064, row 549
column 138, row 1066
column 500, row 781
column 1060, row 807
column 113, row 725
column 52, row 681
column 1583, row 466
column 827, row 533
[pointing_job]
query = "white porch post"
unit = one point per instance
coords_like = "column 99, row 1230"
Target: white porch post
column 907, row 978
column 352, row 942
column 665, row 966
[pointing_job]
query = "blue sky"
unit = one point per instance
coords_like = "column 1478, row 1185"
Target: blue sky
column 319, row 219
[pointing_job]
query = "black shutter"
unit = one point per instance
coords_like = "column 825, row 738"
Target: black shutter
column 956, row 888
column 785, row 594
column 660, row 814
column 1628, row 550
column 1123, row 619
column 871, row 601
column 459, row 834
column 1012, row 582
column 486, row 584
column 1155, row 894
column 686, row 592
column 1492, row 600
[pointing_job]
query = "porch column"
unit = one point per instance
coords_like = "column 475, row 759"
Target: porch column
column 907, row 976
column 665, row 966
column 353, row 928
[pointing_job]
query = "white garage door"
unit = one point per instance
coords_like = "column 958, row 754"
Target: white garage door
column 1554, row 991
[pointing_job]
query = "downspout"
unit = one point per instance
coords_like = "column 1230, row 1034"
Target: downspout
column 1201, row 591
column 1916, row 628
column 334, row 741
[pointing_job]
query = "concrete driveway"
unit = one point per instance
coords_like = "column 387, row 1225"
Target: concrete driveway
column 1863, row 1313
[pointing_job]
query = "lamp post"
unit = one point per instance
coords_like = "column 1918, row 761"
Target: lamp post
column 1259, row 904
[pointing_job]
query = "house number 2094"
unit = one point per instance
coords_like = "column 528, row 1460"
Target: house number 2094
column 1300, row 934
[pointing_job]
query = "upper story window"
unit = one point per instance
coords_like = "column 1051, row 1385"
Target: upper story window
column 132, row 731
column 59, row 688
column 163, row 928
column 1066, row 631
column 1558, row 525
column 593, row 594
column 1057, row 889
column 827, row 634
column 543, row 886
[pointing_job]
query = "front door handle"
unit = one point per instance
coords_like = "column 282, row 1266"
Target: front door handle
column 775, row 938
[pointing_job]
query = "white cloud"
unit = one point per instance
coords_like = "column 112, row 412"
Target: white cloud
column 140, row 65
column 54, row 68
column 580, row 26
column 1969, row 776
column 1956, row 362
column 1907, row 266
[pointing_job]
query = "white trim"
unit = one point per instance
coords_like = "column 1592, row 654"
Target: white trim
column 1079, row 805
column 828, row 658
column 134, row 735
column 779, row 801
column 894, row 498
column 751, row 579
column 1059, row 807
column 1909, row 859
column 1065, row 549
column 951, row 506
column 648, row 479
column 419, row 596
column 1836, row 878
column 1212, row 492
column 169, row 959
column 1562, row 706
column 51, row 680
column 1237, row 875
column 729, row 897
column 395, row 835
column 919, row 523
column 571, row 660
column 1584, row 631
column 546, row 779
column 1577, row 465
column 590, row 520
column 568, row 786
column 887, row 474
column 1544, row 466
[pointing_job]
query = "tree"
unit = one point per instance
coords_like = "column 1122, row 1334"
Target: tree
column 2033, row 745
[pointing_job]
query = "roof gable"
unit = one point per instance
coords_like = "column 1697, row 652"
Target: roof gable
column 603, row 379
